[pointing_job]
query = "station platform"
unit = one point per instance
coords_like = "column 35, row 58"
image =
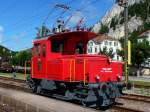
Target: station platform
column 27, row 102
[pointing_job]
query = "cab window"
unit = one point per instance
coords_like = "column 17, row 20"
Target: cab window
column 79, row 48
column 56, row 46
column 38, row 49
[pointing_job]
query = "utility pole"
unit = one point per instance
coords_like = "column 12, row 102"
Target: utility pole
column 148, row 8
column 124, row 4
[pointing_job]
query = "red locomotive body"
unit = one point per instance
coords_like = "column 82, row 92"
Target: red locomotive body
column 61, row 67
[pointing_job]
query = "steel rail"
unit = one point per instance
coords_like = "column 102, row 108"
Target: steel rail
column 145, row 99
column 125, row 109
column 19, row 85
column 12, row 79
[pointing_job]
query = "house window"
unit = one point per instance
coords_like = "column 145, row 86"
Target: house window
column 106, row 42
column 115, row 43
column 117, row 57
column 95, row 49
column 111, row 50
column 90, row 50
column 90, row 44
column 110, row 43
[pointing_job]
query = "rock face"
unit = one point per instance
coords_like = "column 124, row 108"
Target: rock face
column 115, row 11
column 133, row 24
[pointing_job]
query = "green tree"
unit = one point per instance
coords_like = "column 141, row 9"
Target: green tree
column 114, row 22
column 121, row 53
column 106, row 52
column 20, row 58
column 104, row 29
column 140, row 52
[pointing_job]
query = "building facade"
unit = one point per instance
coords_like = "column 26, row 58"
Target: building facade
column 101, row 42
column 145, row 35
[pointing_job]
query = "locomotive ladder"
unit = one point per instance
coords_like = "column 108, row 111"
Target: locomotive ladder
column 25, row 68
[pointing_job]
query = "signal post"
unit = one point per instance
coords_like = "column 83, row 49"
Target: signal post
column 127, row 44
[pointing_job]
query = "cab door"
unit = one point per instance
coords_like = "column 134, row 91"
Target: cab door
column 39, row 60
column 43, row 60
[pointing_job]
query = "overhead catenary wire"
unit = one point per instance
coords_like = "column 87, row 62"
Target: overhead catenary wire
column 82, row 7
column 23, row 22
column 7, row 40
column 49, row 15
column 79, row 9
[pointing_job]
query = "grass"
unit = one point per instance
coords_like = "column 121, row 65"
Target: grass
column 141, row 83
column 18, row 75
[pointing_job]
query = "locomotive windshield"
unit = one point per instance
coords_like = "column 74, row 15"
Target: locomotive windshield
column 70, row 43
column 79, row 48
column 56, row 46
column 66, row 47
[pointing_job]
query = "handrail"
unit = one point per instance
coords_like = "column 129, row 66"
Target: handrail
column 70, row 70
column 74, row 65
column 84, row 70
column 25, row 68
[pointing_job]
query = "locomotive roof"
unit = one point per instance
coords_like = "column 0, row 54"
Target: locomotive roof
column 60, row 36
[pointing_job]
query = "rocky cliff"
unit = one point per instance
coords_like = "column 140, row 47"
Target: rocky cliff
column 114, row 19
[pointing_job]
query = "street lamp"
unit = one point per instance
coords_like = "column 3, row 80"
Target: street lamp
column 124, row 4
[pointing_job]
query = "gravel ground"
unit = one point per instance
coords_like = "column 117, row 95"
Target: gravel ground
column 48, row 104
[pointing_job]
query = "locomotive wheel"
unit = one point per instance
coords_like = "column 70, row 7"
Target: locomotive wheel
column 34, row 89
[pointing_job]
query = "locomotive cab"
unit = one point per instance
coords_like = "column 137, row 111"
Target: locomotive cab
column 61, row 66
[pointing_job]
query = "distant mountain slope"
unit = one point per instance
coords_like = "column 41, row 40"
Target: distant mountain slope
column 3, row 49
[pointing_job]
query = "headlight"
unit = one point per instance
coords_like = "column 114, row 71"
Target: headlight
column 97, row 77
column 118, row 77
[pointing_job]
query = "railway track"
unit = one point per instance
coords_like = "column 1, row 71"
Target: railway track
column 21, row 85
column 17, row 84
column 134, row 103
column 124, row 109
column 135, row 97
column 12, row 79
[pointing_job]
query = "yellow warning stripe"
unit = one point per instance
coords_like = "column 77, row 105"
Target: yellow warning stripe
column 74, row 65
column 84, row 71
column 70, row 70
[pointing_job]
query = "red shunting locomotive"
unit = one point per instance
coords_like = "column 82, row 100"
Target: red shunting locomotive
column 61, row 68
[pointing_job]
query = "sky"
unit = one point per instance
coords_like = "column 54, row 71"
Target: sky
column 19, row 19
